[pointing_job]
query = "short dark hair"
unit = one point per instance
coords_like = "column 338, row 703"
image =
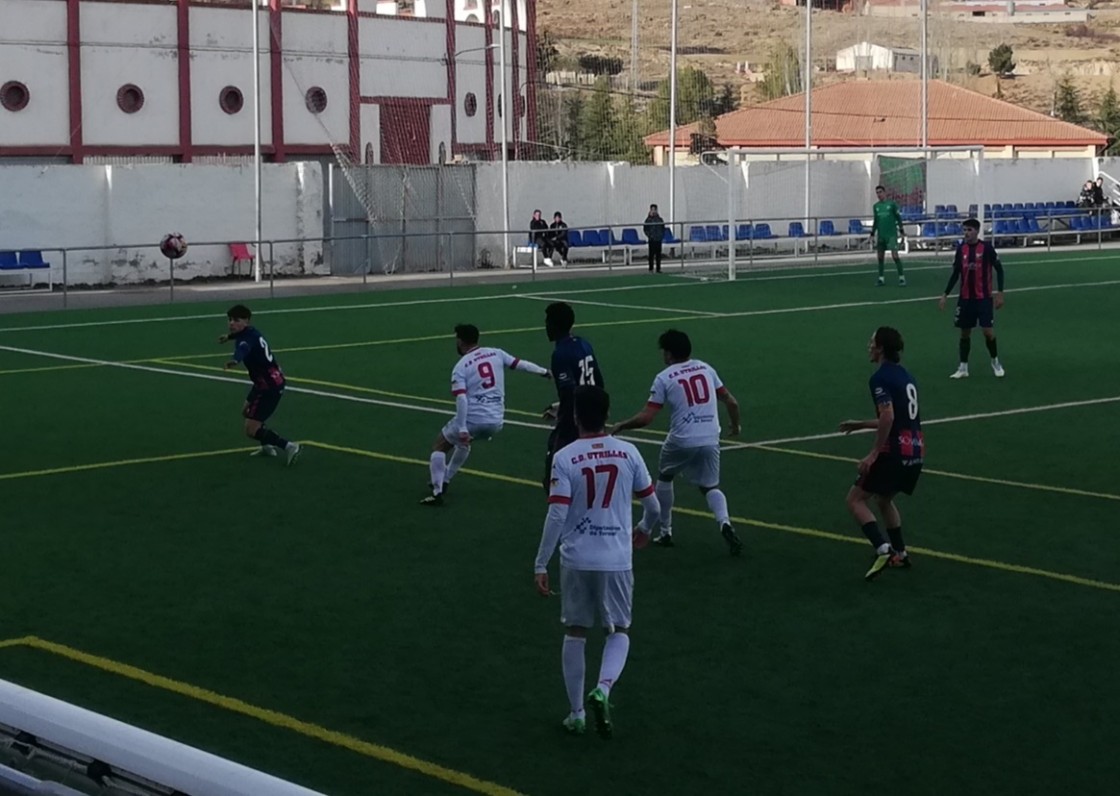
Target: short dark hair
column 676, row 343
column 653, row 207
column 880, row 188
column 239, row 312
column 559, row 318
column 890, row 340
column 557, row 214
column 593, row 404
column 467, row 332
column 971, row 223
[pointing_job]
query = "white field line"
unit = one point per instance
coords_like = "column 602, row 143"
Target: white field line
column 1024, row 410
column 524, row 424
column 551, row 294
column 670, row 310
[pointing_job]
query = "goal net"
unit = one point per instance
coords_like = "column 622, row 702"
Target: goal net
column 798, row 207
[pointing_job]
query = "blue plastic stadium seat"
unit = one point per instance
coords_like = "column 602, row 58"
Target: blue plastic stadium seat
column 827, row 227
column 8, row 260
column 575, row 239
column 630, row 237
column 1032, row 226
column 32, row 259
column 712, row 231
column 761, row 232
column 605, row 237
column 670, row 237
column 591, row 238
column 955, row 229
column 1000, row 228
column 929, row 229
column 855, row 227
column 743, row 232
column 973, row 210
column 697, row 234
column 796, row 229
column 952, row 210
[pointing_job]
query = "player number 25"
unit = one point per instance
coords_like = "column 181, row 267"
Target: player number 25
column 912, row 401
column 486, row 373
column 611, row 471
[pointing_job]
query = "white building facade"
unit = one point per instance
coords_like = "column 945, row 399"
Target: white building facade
column 868, row 57
column 172, row 81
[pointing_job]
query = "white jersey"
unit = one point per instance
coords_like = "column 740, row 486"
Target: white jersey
column 689, row 389
column 598, row 478
column 481, row 376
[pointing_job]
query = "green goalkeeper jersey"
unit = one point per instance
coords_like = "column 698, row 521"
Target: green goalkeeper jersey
column 887, row 219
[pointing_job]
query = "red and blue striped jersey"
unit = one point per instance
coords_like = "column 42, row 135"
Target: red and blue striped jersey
column 252, row 350
column 973, row 265
column 893, row 385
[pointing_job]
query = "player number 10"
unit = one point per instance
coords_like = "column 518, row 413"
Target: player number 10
column 611, row 471
column 695, row 389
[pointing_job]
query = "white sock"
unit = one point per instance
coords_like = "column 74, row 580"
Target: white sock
column 458, row 459
column 574, row 666
column 436, row 466
column 717, row 502
column 664, row 492
column 615, row 651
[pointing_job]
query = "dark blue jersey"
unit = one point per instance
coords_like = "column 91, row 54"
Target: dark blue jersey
column 892, row 384
column 252, row 350
column 573, row 365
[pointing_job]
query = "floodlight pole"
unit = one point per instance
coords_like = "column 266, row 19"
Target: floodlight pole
column 925, row 73
column 808, row 88
column 673, row 114
column 257, row 234
column 504, row 108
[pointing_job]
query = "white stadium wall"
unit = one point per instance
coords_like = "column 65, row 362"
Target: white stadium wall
column 76, row 58
column 131, row 207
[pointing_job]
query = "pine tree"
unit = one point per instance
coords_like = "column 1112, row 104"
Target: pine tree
column 783, row 73
column 598, row 123
column 1002, row 60
column 696, row 97
column 1108, row 119
column 572, row 133
column 1067, row 101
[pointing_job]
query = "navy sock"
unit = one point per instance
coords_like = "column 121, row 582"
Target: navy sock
column 896, row 539
column 965, row 347
column 266, row 436
column 991, row 341
column 873, row 534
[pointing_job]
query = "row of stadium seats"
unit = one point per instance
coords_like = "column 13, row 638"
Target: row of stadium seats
column 949, row 212
column 26, row 262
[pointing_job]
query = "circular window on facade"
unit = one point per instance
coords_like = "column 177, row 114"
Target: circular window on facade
column 316, row 99
column 14, row 96
column 130, row 98
column 470, row 104
column 231, row 99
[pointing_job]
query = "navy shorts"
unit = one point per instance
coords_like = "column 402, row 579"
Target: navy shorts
column 974, row 312
column 261, row 404
column 889, row 476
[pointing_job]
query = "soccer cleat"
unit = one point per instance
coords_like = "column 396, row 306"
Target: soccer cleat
column 959, row 373
column 731, row 538
column 548, row 261
column 432, row 500
column 563, row 263
column 664, row 539
column 900, row 560
column 997, row 369
column 880, row 282
column 293, row 450
column 878, row 565
column 601, row 706
column 902, row 281
column 574, row 725
column 264, row 450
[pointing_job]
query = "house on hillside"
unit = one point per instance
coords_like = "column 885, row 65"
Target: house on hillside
column 870, row 113
column 869, row 57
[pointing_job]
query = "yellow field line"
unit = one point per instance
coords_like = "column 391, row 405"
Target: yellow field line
column 23, row 641
column 1062, row 490
column 815, row 533
column 271, row 717
column 78, row 468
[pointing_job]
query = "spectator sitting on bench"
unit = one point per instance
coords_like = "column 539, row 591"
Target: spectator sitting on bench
column 557, row 240
column 1086, row 197
column 538, row 231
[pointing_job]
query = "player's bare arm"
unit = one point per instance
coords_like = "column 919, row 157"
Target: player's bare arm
column 640, row 420
column 727, row 399
column 883, row 431
column 233, row 363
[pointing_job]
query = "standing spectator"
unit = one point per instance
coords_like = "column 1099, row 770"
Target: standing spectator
column 1098, row 193
column 538, row 231
column 654, row 227
column 557, row 240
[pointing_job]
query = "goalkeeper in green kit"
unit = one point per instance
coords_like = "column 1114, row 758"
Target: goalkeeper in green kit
column 886, row 231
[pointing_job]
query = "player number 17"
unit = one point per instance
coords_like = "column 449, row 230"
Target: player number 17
column 611, row 471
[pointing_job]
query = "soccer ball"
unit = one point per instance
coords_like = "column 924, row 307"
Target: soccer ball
column 173, row 245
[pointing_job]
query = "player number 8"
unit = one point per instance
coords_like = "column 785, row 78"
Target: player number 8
column 912, row 401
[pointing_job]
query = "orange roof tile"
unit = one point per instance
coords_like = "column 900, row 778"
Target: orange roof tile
column 888, row 113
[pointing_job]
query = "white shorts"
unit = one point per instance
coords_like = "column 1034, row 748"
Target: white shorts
column 699, row 465
column 586, row 595
column 478, row 432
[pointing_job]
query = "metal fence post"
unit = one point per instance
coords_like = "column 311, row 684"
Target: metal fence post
column 65, row 279
column 171, row 281
column 271, row 272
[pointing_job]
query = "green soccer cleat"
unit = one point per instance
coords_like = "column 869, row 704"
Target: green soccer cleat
column 880, row 563
column 601, row 706
column 574, row 726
